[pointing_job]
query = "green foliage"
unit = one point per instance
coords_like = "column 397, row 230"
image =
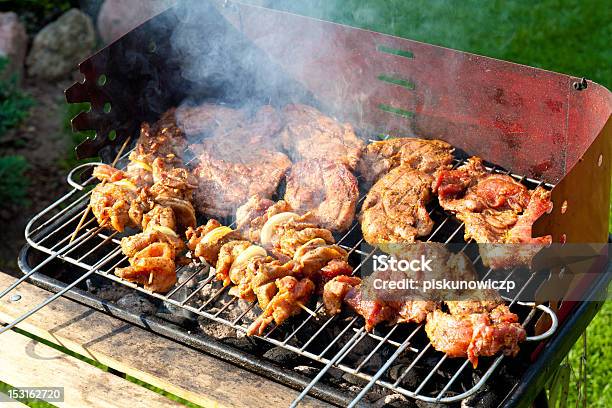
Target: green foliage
column 37, row 13
column 13, row 182
column 14, row 104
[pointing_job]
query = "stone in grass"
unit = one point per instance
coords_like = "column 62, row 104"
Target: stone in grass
column 13, row 44
column 61, row 45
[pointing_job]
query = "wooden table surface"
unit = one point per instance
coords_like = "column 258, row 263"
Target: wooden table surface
column 178, row 369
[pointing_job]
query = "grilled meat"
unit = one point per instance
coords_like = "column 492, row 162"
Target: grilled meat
column 253, row 214
column 428, row 156
column 316, row 254
column 206, row 241
column 373, row 309
column 209, row 118
column 326, row 189
column 289, row 236
column 110, row 204
column 285, row 304
column 474, row 335
column 335, row 291
column 228, row 253
column 309, row 134
column 229, row 172
column 415, row 311
column 394, row 209
column 153, row 267
column 163, row 140
column 495, row 210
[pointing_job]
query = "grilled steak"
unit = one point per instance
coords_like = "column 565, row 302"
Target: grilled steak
column 394, row 209
column 327, row 189
column 208, row 118
column 428, row 156
column 309, row 134
column 234, row 166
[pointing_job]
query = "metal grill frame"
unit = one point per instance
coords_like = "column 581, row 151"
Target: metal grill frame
column 40, row 231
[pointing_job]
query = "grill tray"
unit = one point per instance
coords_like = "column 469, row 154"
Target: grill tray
column 340, row 342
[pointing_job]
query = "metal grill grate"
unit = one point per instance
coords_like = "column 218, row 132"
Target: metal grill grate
column 339, row 342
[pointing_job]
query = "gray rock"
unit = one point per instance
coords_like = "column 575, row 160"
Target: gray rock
column 13, row 43
column 118, row 17
column 61, row 45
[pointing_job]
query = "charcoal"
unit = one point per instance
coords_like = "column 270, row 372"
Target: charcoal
column 137, row 303
column 392, row 401
column 353, row 379
column 283, row 356
column 307, row 370
column 216, row 330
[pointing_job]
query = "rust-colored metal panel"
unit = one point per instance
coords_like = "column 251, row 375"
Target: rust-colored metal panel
column 522, row 118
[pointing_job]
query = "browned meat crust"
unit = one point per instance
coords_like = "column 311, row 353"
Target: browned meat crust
column 394, row 209
column 428, row 156
column 335, row 291
column 495, row 210
column 208, row 250
column 474, row 335
column 291, row 294
column 153, row 267
column 206, row 119
column 309, row 134
column 230, row 170
column 326, row 189
column 253, row 214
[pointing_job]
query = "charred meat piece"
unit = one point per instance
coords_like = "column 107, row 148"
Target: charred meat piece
column 497, row 211
column 206, row 240
column 309, row 134
column 110, row 204
column 286, row 238
column 153, row 267
column 229, row 172
column 163, row 140
column 474, row 335
column 208, row 118
column 333, row 269
column 135, row 243
column 373, row 309
column 316, row 254
column 326, row 189
column 285, row 304
column 470, row 188
column 335, row 291
column 415, row 311
column 428, row 156
column 229, row 253
column 253, row 215
column 394, row 209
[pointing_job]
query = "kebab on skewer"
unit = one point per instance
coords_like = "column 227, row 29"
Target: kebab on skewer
column 154, row 194
column 300, row 248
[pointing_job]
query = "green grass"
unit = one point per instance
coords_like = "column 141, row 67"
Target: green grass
column 568, row 36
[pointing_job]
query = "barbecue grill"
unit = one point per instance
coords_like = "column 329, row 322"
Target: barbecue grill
column 542, row 128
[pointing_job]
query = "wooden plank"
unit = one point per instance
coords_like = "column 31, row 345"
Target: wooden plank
column 13, row 404
column 33, row 364
column 178, row 369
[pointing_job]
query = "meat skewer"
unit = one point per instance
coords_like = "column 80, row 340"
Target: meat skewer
column 153, row 194
column 88, row 209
